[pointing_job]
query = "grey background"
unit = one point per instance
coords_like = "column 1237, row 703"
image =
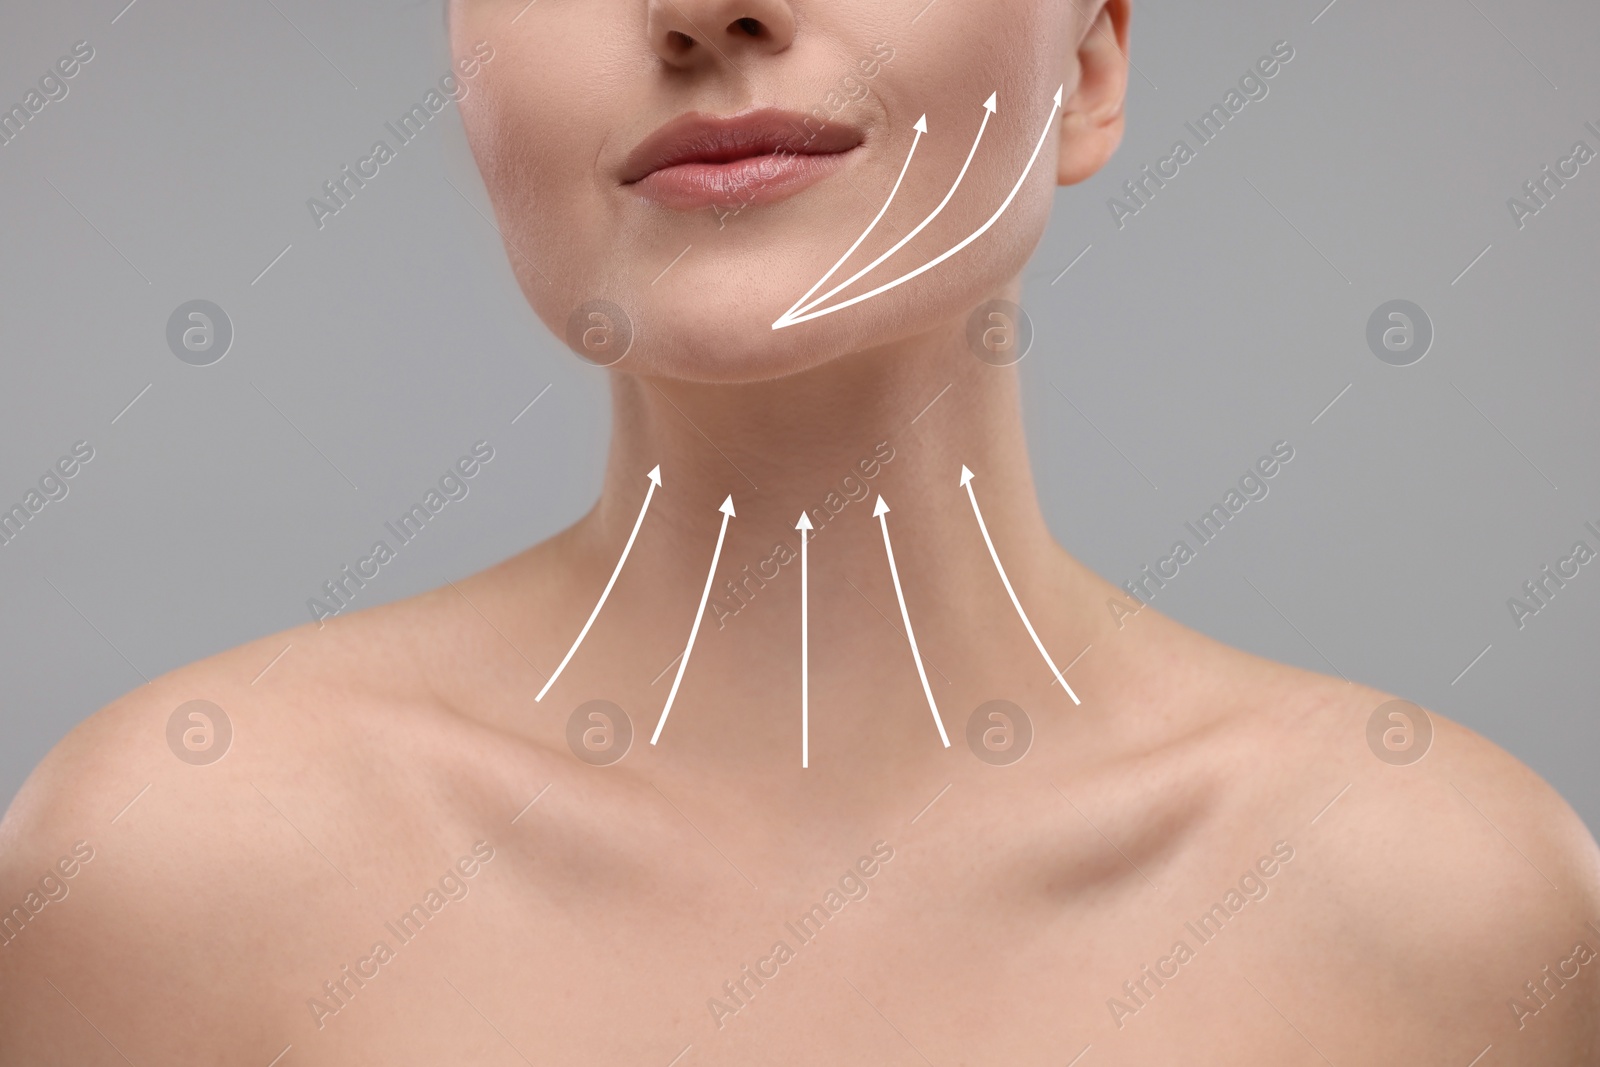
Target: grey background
column 1225, row 316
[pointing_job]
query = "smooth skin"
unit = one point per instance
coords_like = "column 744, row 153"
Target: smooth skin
column 1405, row 908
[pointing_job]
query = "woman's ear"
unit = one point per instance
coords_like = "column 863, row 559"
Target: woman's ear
column 1091, row 118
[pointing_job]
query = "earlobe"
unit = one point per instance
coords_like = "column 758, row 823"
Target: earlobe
column 1092, row 117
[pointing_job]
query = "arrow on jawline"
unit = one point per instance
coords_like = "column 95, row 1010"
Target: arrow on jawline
column 966, row 481
column 655, row 483
column 989, row 107
column 727, row 513
column 878, row 513
column 921, row 127
column 807, row 316
column 804, row 526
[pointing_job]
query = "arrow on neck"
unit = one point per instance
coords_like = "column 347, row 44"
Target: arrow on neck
column 655, row 483
column 804, row 526
column 966, row 482
column 880, row 512
column 694, row 631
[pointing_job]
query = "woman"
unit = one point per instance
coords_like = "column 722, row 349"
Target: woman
column 453, row 830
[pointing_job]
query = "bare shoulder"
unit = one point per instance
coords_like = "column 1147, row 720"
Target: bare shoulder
column 1442, row 879
column 113, row 826
column 157, row 845
column 209, row 723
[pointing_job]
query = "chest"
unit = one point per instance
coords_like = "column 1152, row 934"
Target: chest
column 953, row 944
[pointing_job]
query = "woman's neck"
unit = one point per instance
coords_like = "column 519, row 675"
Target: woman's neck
column 899, row 423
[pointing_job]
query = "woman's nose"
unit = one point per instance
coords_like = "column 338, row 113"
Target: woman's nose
column 692, row 33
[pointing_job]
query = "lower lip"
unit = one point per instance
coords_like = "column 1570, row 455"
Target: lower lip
column 743, row 183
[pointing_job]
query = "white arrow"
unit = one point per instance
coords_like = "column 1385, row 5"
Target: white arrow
column 988, row 112
column 806, row 316
column 655, row 483
column 804, row 526
column 878, row 513
column 921, row 127
column 966, row 480
column 727, row 513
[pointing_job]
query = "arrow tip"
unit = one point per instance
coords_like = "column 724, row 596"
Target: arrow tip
column 727, row 505
column 921, row 125
column 989, row 104
column 655, row 474
column 966, row 475
column 804, row 523
column 882, row 508
column 1059, row 91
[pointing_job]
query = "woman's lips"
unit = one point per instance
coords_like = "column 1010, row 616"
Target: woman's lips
column 760, row 157
column 760, row 179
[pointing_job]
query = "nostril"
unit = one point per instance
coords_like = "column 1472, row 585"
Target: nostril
column 678, row 41
column 752, row 27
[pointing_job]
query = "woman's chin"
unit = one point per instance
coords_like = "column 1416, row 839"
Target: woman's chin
column 728, row 350
column 677, row 331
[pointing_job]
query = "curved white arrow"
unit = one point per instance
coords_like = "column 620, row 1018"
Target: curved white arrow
column 727, row 513
column 807, row 316
column 966, row 480
column 988, row 112
column 804, row 526
column 878, row 513
column 655, row 483
column 921, row 127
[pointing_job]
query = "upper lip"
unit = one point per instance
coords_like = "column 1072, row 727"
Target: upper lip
column 712, row 139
